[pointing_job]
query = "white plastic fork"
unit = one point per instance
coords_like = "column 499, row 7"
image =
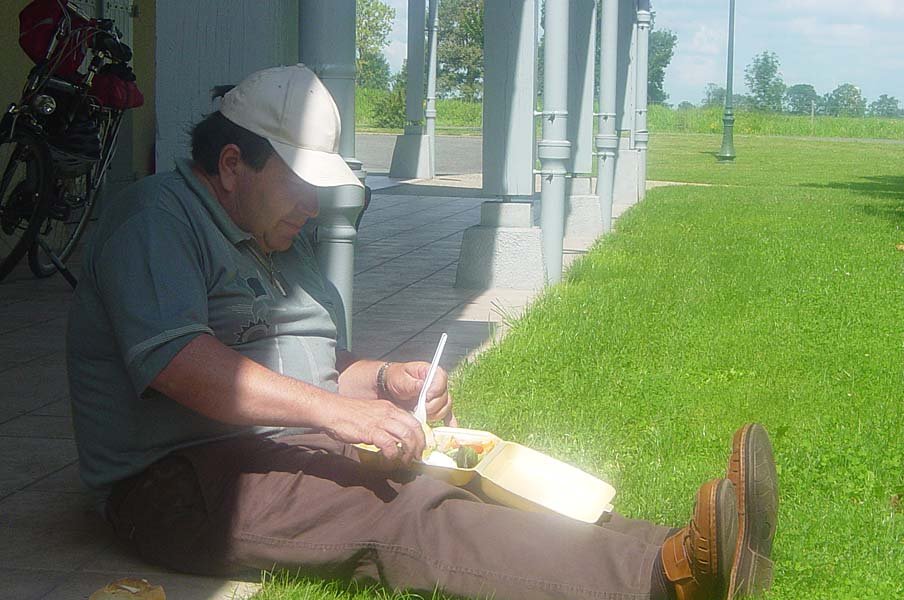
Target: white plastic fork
column 420, row 411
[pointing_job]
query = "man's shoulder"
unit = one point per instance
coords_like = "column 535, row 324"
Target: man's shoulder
column 167, row 191
column 161, row 200
column 163, row 196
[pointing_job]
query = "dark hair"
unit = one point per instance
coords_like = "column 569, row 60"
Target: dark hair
column 210, row 136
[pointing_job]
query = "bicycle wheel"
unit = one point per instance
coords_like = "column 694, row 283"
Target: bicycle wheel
column 71, row 202
column 25, row 161
column 68, row 212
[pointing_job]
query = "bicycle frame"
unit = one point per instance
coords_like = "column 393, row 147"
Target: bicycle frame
column 48, row 107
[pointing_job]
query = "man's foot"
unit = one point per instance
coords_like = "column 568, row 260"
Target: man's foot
column 751, row 469
column 697, row 559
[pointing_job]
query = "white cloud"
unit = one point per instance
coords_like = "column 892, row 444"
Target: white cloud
column 820, row 33
column 852, row 9
column 708, row 41
column 695, row 72
column 395, row 53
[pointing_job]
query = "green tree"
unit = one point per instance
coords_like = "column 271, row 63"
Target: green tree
column 765, row 82
column 800, row 99
column 373, row 23
column 373, row 73
column 459, row 56
column 714, row 96
column 662, row 49
column 885, row 106
column 846, row 101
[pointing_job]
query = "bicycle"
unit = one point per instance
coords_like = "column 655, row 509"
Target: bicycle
column 57, row 141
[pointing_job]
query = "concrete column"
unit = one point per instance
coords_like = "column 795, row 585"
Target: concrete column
column 641, row 134
column 581, row 49
column 627, row 37
column 430, row 113
column 509, row 98
column 411, row 155
column 554, row 149
column 414, row 87
column 582, row 207
column 505, row 250
column 626, row 163
column 327, row 46
column 607, row 136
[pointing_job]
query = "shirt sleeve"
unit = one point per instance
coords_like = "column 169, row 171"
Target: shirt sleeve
column 150, row 277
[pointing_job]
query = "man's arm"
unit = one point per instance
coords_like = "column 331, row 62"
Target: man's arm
column 221, row 384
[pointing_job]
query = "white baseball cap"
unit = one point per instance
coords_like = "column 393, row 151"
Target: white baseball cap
column 293, row 110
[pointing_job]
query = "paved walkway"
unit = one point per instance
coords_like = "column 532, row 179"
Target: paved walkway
column 52, row 546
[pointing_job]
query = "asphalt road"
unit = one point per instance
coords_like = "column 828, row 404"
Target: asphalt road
column 454, row 154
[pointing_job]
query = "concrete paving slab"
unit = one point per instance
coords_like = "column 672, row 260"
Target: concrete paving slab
column 60, row 408
column 33, row 342
column 26, row 312
column 416, row 350
column 78, row 586
column 43, row 550
column 27, row 584
column 119, row 560
column 25, row 460
column 26, row 387
column 64, row 480
column 38, row 426
column 50, row 511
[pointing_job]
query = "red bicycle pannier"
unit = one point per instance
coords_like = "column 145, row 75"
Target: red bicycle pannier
column 115, row 87
column 38, row 24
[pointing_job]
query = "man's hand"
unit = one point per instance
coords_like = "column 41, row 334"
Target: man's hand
column 394, row 431
column 404, row 382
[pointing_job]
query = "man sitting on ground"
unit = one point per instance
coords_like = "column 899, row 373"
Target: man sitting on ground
column 214, row 401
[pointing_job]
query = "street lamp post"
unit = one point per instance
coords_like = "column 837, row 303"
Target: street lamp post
column 727, row 152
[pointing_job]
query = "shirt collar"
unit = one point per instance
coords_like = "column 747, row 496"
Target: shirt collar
column 225, row 224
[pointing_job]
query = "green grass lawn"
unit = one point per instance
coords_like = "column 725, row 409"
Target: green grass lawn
column 709, row 120
column 458, row 117
column 773, row 295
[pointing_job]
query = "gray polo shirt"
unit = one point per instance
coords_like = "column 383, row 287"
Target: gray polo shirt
column 167, row 264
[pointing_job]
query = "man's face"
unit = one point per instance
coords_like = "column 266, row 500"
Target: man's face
column 275, row 203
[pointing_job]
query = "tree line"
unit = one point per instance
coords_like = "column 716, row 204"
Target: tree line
column 769, row 93
column 460, row 50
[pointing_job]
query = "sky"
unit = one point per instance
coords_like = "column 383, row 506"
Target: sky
column 821, row 42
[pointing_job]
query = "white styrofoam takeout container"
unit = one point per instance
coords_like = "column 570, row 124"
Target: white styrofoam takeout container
column 516, row 476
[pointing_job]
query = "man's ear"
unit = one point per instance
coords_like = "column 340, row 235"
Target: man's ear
column 230, row 166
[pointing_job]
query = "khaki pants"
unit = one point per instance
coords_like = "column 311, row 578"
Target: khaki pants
column 303, row 502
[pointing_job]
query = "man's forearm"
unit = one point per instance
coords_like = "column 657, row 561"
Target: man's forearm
column 357, row 376
column 218, row 382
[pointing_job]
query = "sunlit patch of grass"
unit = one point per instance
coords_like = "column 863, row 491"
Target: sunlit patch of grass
column 774, row 295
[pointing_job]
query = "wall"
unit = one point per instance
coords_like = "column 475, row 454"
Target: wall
column 143, row 63
column 204, row 43
column 15, row 63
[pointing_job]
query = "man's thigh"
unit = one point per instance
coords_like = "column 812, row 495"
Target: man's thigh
column 258, row 502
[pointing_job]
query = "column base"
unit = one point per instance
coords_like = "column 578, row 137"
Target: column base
column 583, row 218
column 627, row 174
column 411, row 157
column 504, row 251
